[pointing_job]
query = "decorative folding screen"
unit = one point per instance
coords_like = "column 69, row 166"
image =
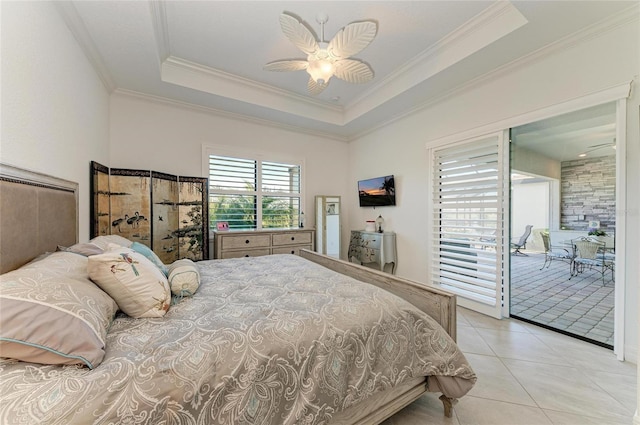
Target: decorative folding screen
column 167, row 213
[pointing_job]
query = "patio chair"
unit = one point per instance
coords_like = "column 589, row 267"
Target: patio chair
column 489, row 241
column 590, row 255
column 555, row 253
column 522, row 242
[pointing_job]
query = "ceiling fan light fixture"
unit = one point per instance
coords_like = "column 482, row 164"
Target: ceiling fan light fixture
column 327, row 59
column 321, row 70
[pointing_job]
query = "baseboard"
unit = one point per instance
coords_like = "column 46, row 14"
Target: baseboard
column 631, row 355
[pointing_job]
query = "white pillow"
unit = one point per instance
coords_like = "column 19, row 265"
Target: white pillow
column 184, row 278
column 52, row 316
column 104, row 241
column 134, row 282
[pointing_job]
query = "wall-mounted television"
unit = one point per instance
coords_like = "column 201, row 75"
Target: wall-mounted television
column 377, row 192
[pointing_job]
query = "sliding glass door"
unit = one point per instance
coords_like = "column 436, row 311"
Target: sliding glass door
column 561, row 193
column 563, row 185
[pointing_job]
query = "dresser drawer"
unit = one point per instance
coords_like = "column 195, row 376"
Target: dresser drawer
column 254, row 243
column 246, row 253
column 370, row 241
column 297, row 238
column 289, row 249
column 368, row 255
column 245, row 241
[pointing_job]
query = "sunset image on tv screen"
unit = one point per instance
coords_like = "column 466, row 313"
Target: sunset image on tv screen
column 379, row 191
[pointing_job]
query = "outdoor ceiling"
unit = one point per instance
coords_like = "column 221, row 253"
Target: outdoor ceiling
column 587, row 133
column 211, row 53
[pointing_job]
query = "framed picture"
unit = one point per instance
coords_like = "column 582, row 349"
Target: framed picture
column 222, row 226
column 331, row 209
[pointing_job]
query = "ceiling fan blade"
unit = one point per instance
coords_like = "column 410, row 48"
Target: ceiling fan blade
column 298, row 34
column 352, row 39
column 353, row 71
column 286, row 65
column 315, row 88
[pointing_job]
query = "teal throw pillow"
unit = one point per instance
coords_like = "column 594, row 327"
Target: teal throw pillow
column 151, row 256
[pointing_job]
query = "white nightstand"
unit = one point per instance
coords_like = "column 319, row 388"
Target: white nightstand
column 374, row 248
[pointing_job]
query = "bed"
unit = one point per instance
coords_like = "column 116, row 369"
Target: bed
column 278, row 339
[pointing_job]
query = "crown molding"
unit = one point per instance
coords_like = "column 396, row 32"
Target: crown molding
column 198, row 77
column 224, row 114
column 495, row 22
column 160, row 29
column 70, row 15
column 626, row 16
column 620, row 19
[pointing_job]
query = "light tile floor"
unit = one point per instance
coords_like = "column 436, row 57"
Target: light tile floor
column 528, row 375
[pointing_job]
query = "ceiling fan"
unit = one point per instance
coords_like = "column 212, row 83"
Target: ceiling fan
column 327, row 59
column 594, row 148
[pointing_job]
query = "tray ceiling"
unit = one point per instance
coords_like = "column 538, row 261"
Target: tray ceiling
column 211, row 53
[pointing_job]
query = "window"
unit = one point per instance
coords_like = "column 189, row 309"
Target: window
column 253, row 193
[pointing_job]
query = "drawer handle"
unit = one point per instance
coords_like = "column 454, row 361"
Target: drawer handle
column 293, row 252
column 247, row 241
column 293, row 238
column 246, row 255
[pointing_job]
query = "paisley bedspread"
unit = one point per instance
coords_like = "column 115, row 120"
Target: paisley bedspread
column 265, row 340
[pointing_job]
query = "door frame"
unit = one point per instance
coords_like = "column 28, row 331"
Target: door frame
column 617, row 94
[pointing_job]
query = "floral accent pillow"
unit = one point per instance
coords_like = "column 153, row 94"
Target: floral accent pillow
column 134, row 282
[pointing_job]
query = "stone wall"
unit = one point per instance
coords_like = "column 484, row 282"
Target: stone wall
column 589, row 193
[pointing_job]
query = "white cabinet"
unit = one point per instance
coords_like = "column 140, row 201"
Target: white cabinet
column 373, row 248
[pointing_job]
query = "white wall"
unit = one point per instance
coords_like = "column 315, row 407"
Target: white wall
column 530, row 162
column 160, row 136
column 584, row 68
column 55, row 109
column 530, row 205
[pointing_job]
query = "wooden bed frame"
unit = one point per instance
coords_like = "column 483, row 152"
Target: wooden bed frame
column 437, row 303
column 39, row 212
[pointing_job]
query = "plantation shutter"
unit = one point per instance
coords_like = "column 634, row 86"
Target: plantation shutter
column 470, row 195
column 232, row 191
column 250, row 193
column 280, row 194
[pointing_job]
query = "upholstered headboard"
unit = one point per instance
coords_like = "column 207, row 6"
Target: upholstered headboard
column 37, row 213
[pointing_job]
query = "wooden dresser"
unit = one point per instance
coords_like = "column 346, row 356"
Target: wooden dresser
column 253, row 243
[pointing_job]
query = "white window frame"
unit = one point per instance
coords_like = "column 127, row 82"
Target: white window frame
column 258, row 156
